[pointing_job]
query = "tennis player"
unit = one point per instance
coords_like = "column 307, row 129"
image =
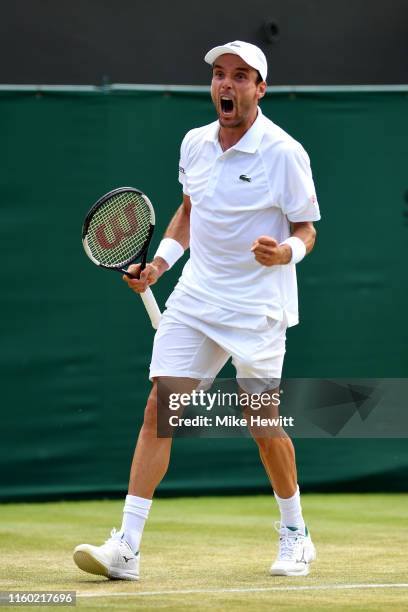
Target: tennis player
column 247, row 216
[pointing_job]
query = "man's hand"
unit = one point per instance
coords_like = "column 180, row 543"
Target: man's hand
column 268, row 252
column 148, row 276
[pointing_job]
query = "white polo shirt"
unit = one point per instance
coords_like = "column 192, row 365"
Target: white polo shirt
column 254, row 188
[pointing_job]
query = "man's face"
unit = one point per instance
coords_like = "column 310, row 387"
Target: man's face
column 234, row 91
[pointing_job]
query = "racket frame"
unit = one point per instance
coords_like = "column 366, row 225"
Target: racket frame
column 147, row 297
column 142, row 252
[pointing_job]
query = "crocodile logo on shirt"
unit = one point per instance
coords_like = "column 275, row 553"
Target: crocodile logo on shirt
column 245, row 177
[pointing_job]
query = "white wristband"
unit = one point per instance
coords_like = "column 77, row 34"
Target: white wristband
column 298, row 248
column 170, row 250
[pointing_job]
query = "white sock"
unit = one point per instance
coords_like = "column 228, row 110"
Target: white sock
column 291, row 511
column 135, row 513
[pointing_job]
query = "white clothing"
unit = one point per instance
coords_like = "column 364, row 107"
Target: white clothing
column 191, row 346
column 254, row 188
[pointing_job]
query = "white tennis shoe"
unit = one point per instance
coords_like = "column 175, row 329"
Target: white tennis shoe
column 296, row 552
column 114, row 559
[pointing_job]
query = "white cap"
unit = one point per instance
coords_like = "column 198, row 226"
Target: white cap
column 251, row 54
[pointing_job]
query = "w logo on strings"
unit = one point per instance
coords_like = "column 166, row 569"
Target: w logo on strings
column 117, row 232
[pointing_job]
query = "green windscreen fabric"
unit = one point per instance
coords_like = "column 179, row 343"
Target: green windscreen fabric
column 76, row 342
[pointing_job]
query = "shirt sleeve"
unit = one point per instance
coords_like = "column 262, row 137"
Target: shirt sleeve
column 298, row 194
column 182, row 177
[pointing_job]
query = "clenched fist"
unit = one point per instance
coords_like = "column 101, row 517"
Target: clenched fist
column 268, row 252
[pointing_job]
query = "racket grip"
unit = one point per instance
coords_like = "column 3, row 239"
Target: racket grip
column 151, row 306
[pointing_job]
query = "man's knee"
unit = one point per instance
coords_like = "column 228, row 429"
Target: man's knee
column 157, row 406
column 150, row 413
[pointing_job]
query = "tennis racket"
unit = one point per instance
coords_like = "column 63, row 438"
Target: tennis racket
column 117, row 231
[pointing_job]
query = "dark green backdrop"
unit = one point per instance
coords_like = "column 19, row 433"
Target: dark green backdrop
column 76, row 343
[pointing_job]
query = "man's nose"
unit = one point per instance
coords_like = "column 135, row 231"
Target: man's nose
column 226, row 82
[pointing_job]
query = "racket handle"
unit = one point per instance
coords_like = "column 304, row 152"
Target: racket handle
column 151, row 306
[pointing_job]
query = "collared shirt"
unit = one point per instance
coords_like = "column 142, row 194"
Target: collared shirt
column 254, row 188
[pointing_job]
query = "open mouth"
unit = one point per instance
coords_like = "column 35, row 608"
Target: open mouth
column 227, row 105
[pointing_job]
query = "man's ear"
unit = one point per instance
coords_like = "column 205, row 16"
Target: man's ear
column 261, row 89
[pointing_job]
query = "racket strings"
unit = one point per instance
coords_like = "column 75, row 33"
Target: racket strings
column 119, row 229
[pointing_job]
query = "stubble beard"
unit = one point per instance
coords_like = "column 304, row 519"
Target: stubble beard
column 230, row 124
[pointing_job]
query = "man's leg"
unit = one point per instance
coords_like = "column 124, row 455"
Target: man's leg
column 277, row 453
column 278, row 458
column 151, row 458
column 150, row 462
column 152, row 454
column 119, row 557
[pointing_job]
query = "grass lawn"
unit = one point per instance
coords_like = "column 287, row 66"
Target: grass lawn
column 213, row 553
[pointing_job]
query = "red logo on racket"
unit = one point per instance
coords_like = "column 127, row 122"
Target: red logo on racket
column 118, row 232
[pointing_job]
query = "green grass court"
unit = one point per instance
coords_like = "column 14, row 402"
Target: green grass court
column 196, row 551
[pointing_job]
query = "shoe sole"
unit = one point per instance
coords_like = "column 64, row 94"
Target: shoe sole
column 278, row 572
column 86, row 562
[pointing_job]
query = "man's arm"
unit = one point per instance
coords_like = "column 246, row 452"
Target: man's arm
column 178, row 229
column 179, row 226
column 269, row 252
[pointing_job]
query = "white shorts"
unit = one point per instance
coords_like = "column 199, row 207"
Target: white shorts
column 196, row 339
